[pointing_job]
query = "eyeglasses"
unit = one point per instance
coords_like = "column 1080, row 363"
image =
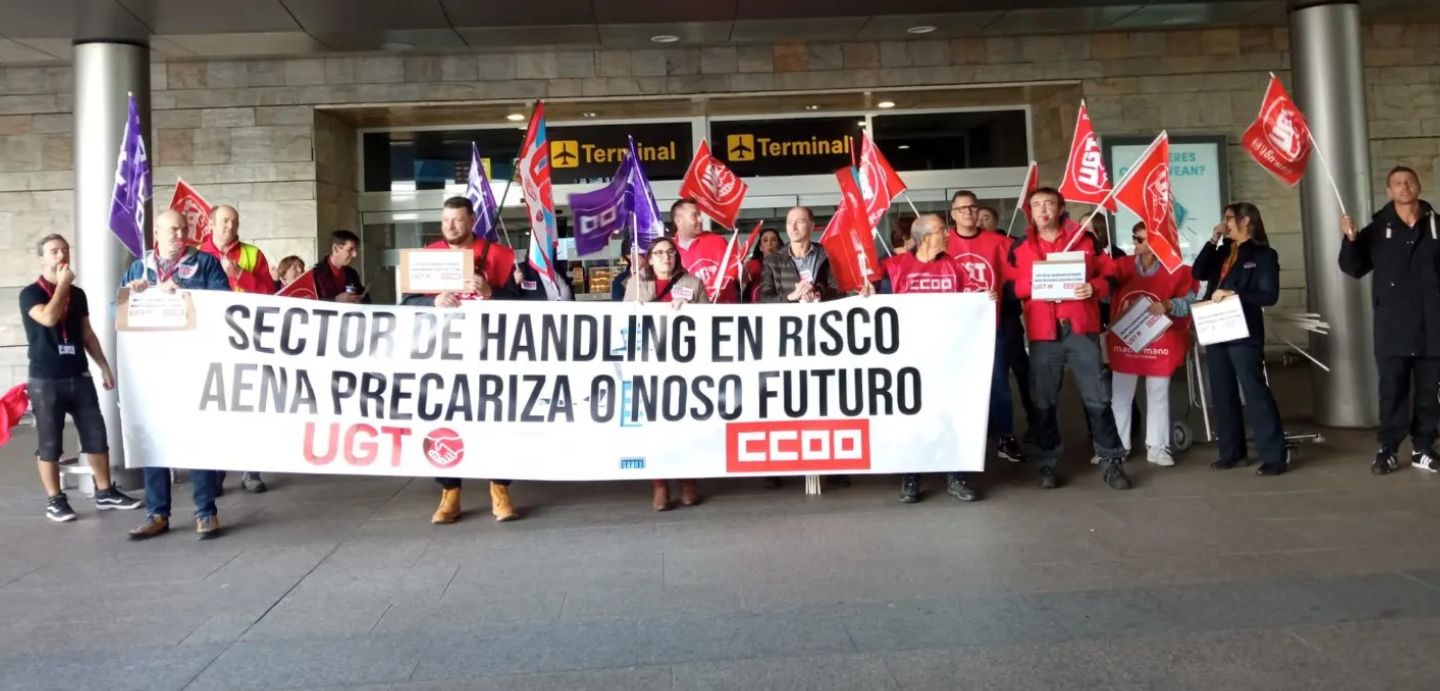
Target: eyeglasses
column 664, row 253
column 967, row 207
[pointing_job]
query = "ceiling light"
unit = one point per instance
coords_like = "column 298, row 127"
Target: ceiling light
column 588, row 114
column 903, row 147
column 397, row 45
column 664, row 38
column 885, row 104
column 922, row 29
column 861, row 123
column 515, row 117
column 812, row 107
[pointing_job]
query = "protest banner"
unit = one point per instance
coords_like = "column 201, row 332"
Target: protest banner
column 563, row 391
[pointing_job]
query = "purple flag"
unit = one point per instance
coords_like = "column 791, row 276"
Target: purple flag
column 649, row 226
column 603, row 211
column 132, row 186
column 477, row 190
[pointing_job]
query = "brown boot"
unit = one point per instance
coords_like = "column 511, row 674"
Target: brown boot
column 661, row 501
column 153, row 525
column 500, row 503
column 449, row 509
column 689, row 494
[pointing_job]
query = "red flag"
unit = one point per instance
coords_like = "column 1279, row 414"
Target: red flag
column 714, row 187
column 1145, row 191
column 195, row 210
column 12, row 407
column 1031, row 183
column 737, row 261
column 1086, row 180
column 302, row 287
column 879, row 183
column 1279, row 139
column 846, row 239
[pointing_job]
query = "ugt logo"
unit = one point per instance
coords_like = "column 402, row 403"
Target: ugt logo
column 1284, row 130
column 1090, row 174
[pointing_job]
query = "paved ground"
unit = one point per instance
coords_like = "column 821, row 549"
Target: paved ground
column 1325, row 578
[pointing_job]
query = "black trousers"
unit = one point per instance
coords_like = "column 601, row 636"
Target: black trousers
column 1018, row 361
column 1048, row 361
column 454, row 482
column 1397, row 416
column 1236, row 367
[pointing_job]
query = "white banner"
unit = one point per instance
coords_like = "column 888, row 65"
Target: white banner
column 563, row 390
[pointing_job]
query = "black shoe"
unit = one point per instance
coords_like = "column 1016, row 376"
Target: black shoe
column 1114, row 473
column 113, row 498
column 1384, row 463
column 252, row 483
column 58, row 509
column 1271, row 469
column 1223, row 464
column 839, row 480
column 1048, row 480
column 1425, row 459
column 960, row 489
column 1009, row 450
column 909, row 489
column 774, row 482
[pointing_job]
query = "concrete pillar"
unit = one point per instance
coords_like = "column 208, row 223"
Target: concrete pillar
column 1329, row 87
column 105, row 74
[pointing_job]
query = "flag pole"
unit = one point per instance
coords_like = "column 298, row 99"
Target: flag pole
column 635, row 251
column 1325, row 165
column 499, row 205
column 724, row 266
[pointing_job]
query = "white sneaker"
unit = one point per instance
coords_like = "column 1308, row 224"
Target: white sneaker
column 1425, row 460
column 1160, row 456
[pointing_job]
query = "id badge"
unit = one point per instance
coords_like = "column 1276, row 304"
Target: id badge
column 527, row 285
column 682, row 293
column 67, row 348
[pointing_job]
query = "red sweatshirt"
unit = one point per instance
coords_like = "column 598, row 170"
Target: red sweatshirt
column 1042, row 317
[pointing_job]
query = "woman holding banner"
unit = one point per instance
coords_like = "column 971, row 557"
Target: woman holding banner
column 1243, row 267
column 663, row 279
column 1140, row 279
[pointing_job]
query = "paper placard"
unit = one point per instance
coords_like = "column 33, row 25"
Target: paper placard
column 1219, row 322
column 1137, row 328
column 435, row 271
column 154, row 310
column 1050, row 280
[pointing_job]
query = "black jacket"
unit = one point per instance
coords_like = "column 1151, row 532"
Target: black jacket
column 1405, row 262
column 326, row 289
column 779, row 275
column 1255, row 280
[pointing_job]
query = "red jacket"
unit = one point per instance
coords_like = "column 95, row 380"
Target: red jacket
column 253, row 278
column 703, row 257
column 1042, row 317
column 497, row 263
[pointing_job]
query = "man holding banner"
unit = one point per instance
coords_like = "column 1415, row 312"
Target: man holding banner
column 1065, row 332
column 1402, row 249
column 801, row 271
column 174, row 266
column 494, row 279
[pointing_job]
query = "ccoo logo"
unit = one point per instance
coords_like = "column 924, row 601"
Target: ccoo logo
column 1284, row 130
column 444, row 448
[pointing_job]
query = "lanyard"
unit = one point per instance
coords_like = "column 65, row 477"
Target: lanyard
column 664, row 292
column 1230, row 261
column 49, row 289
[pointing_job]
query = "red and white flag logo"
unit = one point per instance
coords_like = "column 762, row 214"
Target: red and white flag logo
column 714, row 187
column 1279, row 139
column 1086, row 180
column 879, row 183
column 195, row 210
column 1145, row 191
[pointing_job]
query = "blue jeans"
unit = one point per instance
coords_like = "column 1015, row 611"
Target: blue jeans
column 157, row 491
column 1002, row 407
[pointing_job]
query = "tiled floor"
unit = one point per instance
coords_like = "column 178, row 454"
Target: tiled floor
column 1325, row 578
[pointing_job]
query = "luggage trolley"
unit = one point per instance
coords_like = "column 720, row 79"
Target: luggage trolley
column 1182, row 435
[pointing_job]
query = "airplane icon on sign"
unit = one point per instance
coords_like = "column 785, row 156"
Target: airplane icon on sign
column 565, row 153
column 740, row 147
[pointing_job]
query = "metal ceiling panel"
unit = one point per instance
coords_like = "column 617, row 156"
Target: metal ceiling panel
column 1398, row 10
column 1061, row 20
column 340, row 16
column 487, row 13
column 662, row 11
column 173, row 17
column 893, row 27
column 748, row 30
column 60, row 48
column 92, row 19
column 163, row 48
column 638, row 35
column 18, row 53
column 1189, row 14
column 528, row 36
column 234, row 45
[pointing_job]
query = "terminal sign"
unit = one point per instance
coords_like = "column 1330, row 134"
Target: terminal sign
column 590, row 153
column 809, row 146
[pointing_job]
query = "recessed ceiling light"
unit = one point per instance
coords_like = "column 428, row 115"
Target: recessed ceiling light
column 664, row 38
column 812, row 107
column 861, row 123
column 588, row 114
column 921, row 29
column 515, row 117
column 885, row 104
column 903, row 147
column 397, row 45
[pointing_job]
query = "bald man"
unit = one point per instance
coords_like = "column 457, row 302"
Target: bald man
column 244, row 264
column 173, row 266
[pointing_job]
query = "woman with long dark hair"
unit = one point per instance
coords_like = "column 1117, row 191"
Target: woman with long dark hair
column 662, row 278
column 1242, row 266
column 766, row 245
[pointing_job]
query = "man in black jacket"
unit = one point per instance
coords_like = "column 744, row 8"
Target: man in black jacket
column 801, row 271
column 1401, row 248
